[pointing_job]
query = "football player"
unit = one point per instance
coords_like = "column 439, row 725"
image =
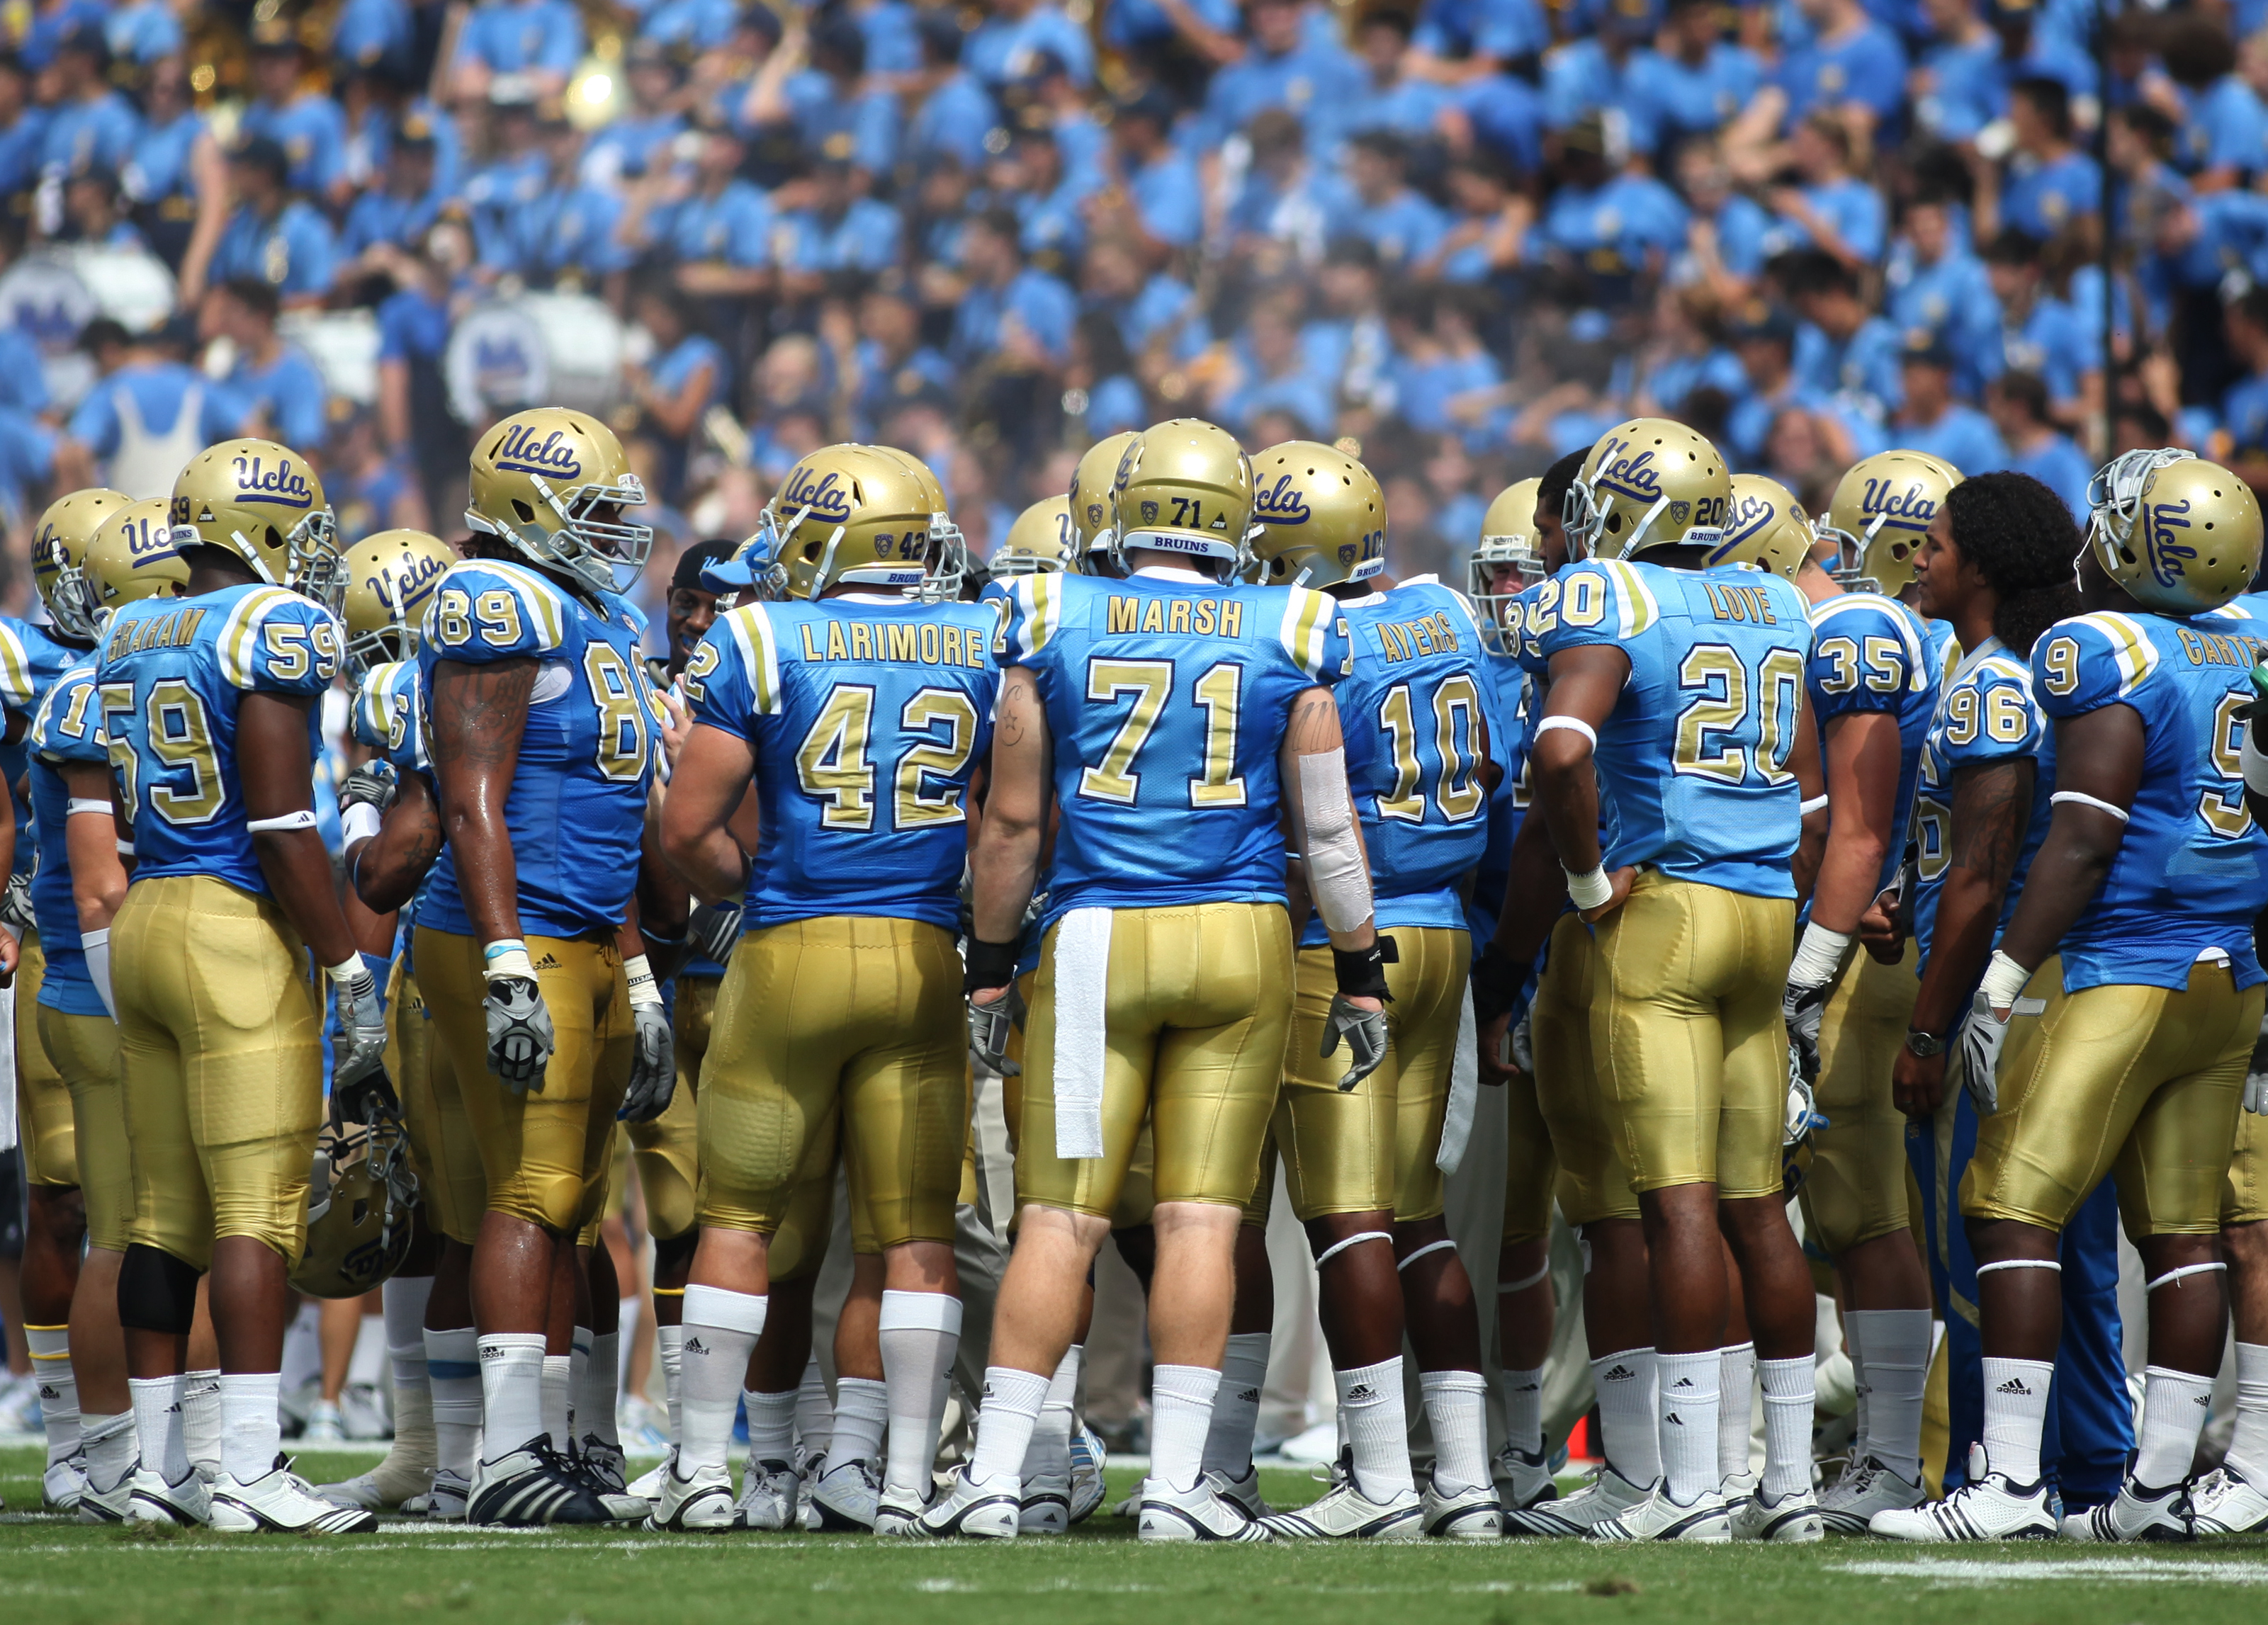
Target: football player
column 55, row 1205
column 1874, row 683
column 1092, row 516
column 1361, row 1164
column 1041, row 539
column 211, row 708
column 1165, row 700
column 540, row 723
column 83, row 577
column 2134, row 935
column 857, row 708
column 1665, row 662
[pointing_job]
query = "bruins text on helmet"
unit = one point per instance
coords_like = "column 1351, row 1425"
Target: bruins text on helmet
column 850, row 515
column 1183, row 487
column 1647, row 483
column 1764, row 526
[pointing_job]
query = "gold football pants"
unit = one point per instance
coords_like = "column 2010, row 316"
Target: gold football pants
column 1570, row 1098
column 1687, row 1032
column 1371, row 1148
column 220, row 1032
column 43, row 1104
column 843, row 1030
column 1194, row 1022
column 85, row 1050
column 1856, row 1189
column 667, row 1149
column 2244, row 1196
column 441, row 1144
column 2145, row 1084
column 543, row 1154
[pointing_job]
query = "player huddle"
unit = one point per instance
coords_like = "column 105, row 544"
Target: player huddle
column 1909, row 849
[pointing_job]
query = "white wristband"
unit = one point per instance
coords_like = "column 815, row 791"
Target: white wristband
column 304, row 819
column 347, row 970
column 507, row 956
column 2004, row 979
column 125, row 848
column 1589, row 890
column 89, row 805
column 2256, row 766
column 358, row 822
column 1572, row 725
column 2086, row 800
column 644, row 991
column 1818, row 956
column 1817, row 803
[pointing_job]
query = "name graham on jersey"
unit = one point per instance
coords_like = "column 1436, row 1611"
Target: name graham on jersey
column 176, row 631
column 1198, row 617
column 923, row 644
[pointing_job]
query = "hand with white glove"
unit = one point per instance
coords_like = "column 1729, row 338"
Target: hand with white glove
column 360, row 1089
column 521, row 1036
column 1810, row 984
column 653, row 1053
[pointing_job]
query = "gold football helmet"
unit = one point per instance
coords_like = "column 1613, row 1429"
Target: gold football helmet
column 1647, row 483
column 850, row 514
column 552, row 484
column 1183, row 487
column 360, row 1196
column 1508, row 536
column 388, row 575
column 948, row 559
column 2181, row 534
column 59, row 558
column 261, row 501
column 1090, row 496
column 1764, row 526
column 1878, row 514
column 1040, row 542
column 1319, row 517
column 132, row 557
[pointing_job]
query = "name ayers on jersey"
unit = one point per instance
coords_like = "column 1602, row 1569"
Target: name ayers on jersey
column 176, row 631
column 1405, row 640
column 925, row 644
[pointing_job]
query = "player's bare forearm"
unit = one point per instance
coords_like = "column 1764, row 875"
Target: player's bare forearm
column 98, row 874
column 479, row 713
column 2099, row 756
column 372, row 933
column 387, row 868
column 713, row 777
column 1585, row 683
column 1311, row 733
column 1535, row 892
column 1004, row 866
column 1990, row 801
column 277, row 762
column 1862, row 759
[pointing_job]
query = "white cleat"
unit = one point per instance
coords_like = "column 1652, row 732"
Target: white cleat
column 98, row 1505
column 1792, row 1520
column 845, row 1496
column 1522, row 1481
column 2225, row 1502
column 1568, row 1518
column 2136, row 1514
column 1343, row 1512
column 899, row 1514
column 1201, row 1513
column 151, row 1500
column 702, row 1503
column 770, row 1495
column 64, row 1485
column 1867, row 1487
column 810, row 1467
column 281, row 1501
column 1473, row 1514
column 1708, row 1521
column 649, row 1483
column 988, row 1511
column 1989, row 1506
column 1046, row 1505
column 1243, row 1493
column 451, row 1494
column 1089, row 1457
column 325, row 1425
column 363, row 1491
column 607, row 1470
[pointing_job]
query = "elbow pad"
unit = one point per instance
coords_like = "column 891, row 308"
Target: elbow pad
column 1337, row 876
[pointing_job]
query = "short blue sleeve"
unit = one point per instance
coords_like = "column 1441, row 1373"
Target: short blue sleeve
column 1866, row 656
column 278, row 642
column 492, row 611
column 733, row 677
column 2090, row 661
column 1990, row 716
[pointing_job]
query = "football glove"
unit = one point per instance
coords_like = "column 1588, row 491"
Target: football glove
column 359, row 1085
column 1982, row 1038
column 1522, row 1041
column 1364, row 1033
column 654, row 1066
column 2256, row 1073
column 989, row 1027
column 715, row 928
column 1810, row 984
column 520, row 1039
column 15, row 903
column 374, row 784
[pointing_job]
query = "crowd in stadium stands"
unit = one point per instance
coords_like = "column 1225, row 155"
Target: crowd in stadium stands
column 1470, row 235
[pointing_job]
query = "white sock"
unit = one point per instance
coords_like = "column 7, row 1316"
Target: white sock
column 1898, row 1343
column 1181, row 1414
column 919, row 1334
column 109, row 1442
column 51, row 1368
column 1236, row 1405
column 1629, row 1430
column 559, row 1397
column 511, row 1390
column 771, row 1425
column 595, row 1404
column 157, row 1425
column 1522, row 1395
column 1049, row 1454
column 402, row 1301
column 1005, row 1419
column 670, row 1340
column 2173, row 1405
column 1855, row 1343
column 1686, row 1405
column 1736, row 1378
column 1791, row 1395
column 452, row 1366
column 815, row 1412
column 366, row 1361
column 1456, row 1406
column 251, row 1426
column 2015, row 1414
column 200, row 1421
column 721, row 1329
column 412, row 1407
column 625, row 1335
column 2248, row 1447
column 862, row 1411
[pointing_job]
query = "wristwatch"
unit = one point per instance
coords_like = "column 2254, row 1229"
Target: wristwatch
column 1924, row 1044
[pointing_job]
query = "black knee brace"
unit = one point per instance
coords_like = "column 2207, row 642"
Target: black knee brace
column 157, row 1292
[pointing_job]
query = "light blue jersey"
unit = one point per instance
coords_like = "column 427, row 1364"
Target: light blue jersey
column 172, row 672
column 1692, row 761
column 2192, row 871
column 867, row 716
column 1870, row 653
column 1510, row 697
column 576, row 806
column 1167, row 701
column 30, row 659
column 68, row 727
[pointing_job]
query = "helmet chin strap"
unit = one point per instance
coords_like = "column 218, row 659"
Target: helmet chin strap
column 251, row 555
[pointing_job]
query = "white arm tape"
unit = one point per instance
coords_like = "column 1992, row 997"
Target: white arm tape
column 2090, row 801
column 1817, row 803
column 304, row 819
column 1818, row 956
column 125, row 848
column 348, row 971
column 1573, row 725
column 2172, row 1276
column 2256, row 766
column 1431, row 1247
column 507, row 956
column 1589, row 890
column 640, row 977
column 2018, row 1263
column 1336, row 879
column 2004, row 979
column 358, row 822
column 77, row 804
column 1338, row 1248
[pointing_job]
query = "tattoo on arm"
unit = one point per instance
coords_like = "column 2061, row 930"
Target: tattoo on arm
column 1313, row 726
column 1990, row 802
column 479, row 710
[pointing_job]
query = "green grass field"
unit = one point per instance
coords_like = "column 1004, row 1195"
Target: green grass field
column 61, row 1574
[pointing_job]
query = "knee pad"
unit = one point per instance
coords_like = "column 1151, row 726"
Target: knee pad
column 674, row 1256
column 157, row 1292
